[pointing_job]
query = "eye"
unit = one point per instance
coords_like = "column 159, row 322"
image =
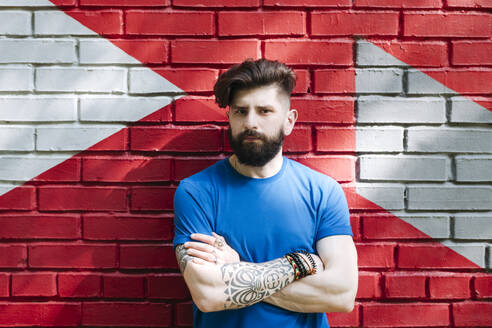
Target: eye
column 265, row 111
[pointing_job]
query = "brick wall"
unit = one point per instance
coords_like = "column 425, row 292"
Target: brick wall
column 105, row 105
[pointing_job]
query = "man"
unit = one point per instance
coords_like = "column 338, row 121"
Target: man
column 263, row 240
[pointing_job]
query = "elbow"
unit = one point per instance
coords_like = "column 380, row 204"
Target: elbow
column 347, row 307
column 344, row 303
column 207, row 304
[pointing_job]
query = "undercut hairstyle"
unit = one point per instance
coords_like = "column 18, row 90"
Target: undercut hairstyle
column 251, row 74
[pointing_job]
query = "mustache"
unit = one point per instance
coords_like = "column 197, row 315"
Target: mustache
column 251, row 133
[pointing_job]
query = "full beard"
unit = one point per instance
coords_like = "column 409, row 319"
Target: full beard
column 255, row 153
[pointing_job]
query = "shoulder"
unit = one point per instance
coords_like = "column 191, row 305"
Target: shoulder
column 314, row 177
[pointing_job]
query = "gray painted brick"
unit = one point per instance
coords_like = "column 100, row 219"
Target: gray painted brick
column 475, row 252
column 14, row 22
column 16, row 79
column 81, row 79
column 26, row 3
column 468, row 111
column 449, row 198
column 20, row 168
column 388, row 196
column 489, row 261
column 403, row 168
column 378, row 80
column 435, row 226
column 369, row 54
column 38, row 109
column 54, row 22
column 144, row 80
column 421, row 83
column 474, row 168
column 37, row 51
column 379, row 139
column 451, row 140
column 102, row 51
column 473, row 227
column 16, row 138
column 72, row 138
column 374, row 109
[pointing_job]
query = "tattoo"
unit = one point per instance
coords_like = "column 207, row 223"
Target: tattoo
column 249, row 283
column 183, row 257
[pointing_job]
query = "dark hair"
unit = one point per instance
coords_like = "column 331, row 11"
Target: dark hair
column 250, row 74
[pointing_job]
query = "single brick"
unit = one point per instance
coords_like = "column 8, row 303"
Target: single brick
column 199, row 109
column 482, row 285
column 40, row 227
column 80, row 138
column 16, row 79
column 110, row 227
column 42, row 51
column 335, row 139
column 167, row 286
column 402, row 53
column 471, row 110
column 38, row 109
column 469, row 3
column 451, row 24
column 405, row 315
column 213, row 51
column 472, row 314
column 340, row 168
column 379, row 139
column 472, row 227
column 36, row 3
column 13, row 256
column 432, row 256
column 197, row 23
column 381, row 80
column 311, row 52
column 324, row 110
column 407, row 168
column 449, row 286
column 147, row 256
column 17, row 198
column 144, row 81
column 125, row 3
column 473, row 168
column 351, row 319
column 216, row 3
column 450, row 197
column 261, row 23
column 16, row 138
column 54, row 22
column 128, row 169
column 334, row 81
column 352, row 22
column 40, row 314
column 81, row 79
column 398, row 3
column 299, row 140
column 102, row 51
column 404, row 285
column 303, row 81
column 82, row 198
column 405, row 227
column 4, row 284
column 126, row 314
column 449, row 140
column 376, row 109
column 308, row 3
column 388, row 196
column 373, row 256
column 34, row 284
column 72, row 256
column 123, row 286
column 55, row 169
column 369, row 285
column 449, row 81
column 13, row 22
column 472, row 53
column 152, row 198
column 79, row 285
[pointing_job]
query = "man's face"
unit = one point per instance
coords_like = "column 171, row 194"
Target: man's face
column 259, row 119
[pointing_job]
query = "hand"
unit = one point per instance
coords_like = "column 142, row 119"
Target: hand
column 210, row 250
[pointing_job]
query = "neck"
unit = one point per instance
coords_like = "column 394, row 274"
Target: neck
column 258, row 172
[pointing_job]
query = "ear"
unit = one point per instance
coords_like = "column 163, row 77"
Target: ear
column 290, row 121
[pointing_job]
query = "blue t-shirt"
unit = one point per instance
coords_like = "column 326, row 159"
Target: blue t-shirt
column 262, row 219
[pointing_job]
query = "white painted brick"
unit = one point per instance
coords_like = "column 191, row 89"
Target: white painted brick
column 383, row 80
column 72, row 138
column 15, row 22
column 474, row 168
column 102, row 51
column 38, row 109
column 379, row 139
column 433, row 226
column 26, row 3
column 23, row 168
column 468, row 111
column 81, row 79
column 452, row 140
column 421, row 83
column 16, row 138
column 489, row 249
column 475, row 252
column 370, row 55
column 388, row 196
column 374, row 109
column 55, row 22
column 144, row 80
column 449, row 198
column 16, row 79
column 37, row 51
column 120, row 109
column 473, row 227
column 404, row 168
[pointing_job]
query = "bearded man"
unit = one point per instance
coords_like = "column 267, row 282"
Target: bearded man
column 261, row 239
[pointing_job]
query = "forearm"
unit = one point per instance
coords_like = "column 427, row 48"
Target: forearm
column 235, row 285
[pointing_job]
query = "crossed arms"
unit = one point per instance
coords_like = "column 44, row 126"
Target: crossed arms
column 234, row 284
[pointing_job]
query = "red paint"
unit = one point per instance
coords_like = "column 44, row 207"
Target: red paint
column 345, row 23
column 79, row 285
column 262, row 23
column 34, row 284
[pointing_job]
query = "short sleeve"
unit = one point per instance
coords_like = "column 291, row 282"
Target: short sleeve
column 334, row 213
column 192, row 212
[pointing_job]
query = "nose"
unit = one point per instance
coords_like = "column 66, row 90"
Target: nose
column 251, row 120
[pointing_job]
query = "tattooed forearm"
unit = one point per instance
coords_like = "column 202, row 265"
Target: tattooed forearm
column 249, row 283
column 182, row 257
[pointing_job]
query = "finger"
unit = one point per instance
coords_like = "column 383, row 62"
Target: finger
column 199, row 246
column 219, row 237
column 202, row 255
column 203, row 238
column 199, row 261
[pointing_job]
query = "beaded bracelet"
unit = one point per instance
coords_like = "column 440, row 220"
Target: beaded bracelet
column 310, row 258
column 300, row 264
column 297, row 272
